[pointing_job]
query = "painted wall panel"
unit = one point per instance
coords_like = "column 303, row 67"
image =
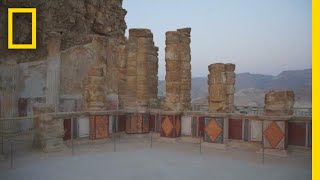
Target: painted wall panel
column 235, row 129
column 274, row 134
column 83, row 123
column 170, row 126
column 213, row 131
column 297, row 133
column 186, row 125
column 256, row 130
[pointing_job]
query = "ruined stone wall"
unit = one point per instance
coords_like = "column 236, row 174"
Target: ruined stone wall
column 77, row 61
column 76, row 21
column 221, row 82
column 279, row 103
column 141, row 70
column 178, row 70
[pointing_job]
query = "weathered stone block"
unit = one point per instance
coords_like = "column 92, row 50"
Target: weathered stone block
column 172, row 37
column 216, row 67
column 140, row 33
column 230, row 67
column 279, row 103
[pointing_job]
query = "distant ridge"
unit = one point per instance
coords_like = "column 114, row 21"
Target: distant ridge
column 250, row 88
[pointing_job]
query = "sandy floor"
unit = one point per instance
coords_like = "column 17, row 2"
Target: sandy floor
column 134, row 159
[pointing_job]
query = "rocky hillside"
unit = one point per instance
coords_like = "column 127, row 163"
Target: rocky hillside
column 76, row 21
column 250, row 88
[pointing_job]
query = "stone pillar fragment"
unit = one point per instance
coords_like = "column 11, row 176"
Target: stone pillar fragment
column 221, row 82
column 141, row 71
column 178, row 70
column 122, row 66
column 53, row 71
column 279, row 103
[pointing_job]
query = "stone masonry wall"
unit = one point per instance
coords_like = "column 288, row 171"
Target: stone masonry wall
column 221, row 82
column 178, row 70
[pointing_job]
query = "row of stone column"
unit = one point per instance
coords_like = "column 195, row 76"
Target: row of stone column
column 178, row 70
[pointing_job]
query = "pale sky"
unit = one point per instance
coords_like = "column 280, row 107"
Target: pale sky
column 259, row 36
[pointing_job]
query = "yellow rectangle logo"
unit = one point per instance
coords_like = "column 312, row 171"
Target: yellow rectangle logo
column 33, row 12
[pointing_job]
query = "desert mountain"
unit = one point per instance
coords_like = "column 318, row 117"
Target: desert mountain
column 250, row 88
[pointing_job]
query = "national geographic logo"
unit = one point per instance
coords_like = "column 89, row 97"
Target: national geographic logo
column 33, row 12
column 11, row 12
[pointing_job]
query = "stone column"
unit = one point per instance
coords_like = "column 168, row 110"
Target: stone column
column 185, row 68
column 230, row 82
column 178, row 70
column 122, row 66
column 8, row 95
column 221, row 82
column 142, row 70
column 53, row 71
column 153, row 76
column 141, row 79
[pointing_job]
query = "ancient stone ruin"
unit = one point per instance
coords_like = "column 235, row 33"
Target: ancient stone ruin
column 221, row 82
column 88, row 77
column 178, row 70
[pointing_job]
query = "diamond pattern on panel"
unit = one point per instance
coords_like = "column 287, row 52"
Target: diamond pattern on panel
column 273, row 134
column 167, row 126
column 213, row 129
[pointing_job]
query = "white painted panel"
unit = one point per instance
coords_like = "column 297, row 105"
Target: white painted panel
column 186, row 125
column 110, row 123
column 83, row 126
column 256, row 130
